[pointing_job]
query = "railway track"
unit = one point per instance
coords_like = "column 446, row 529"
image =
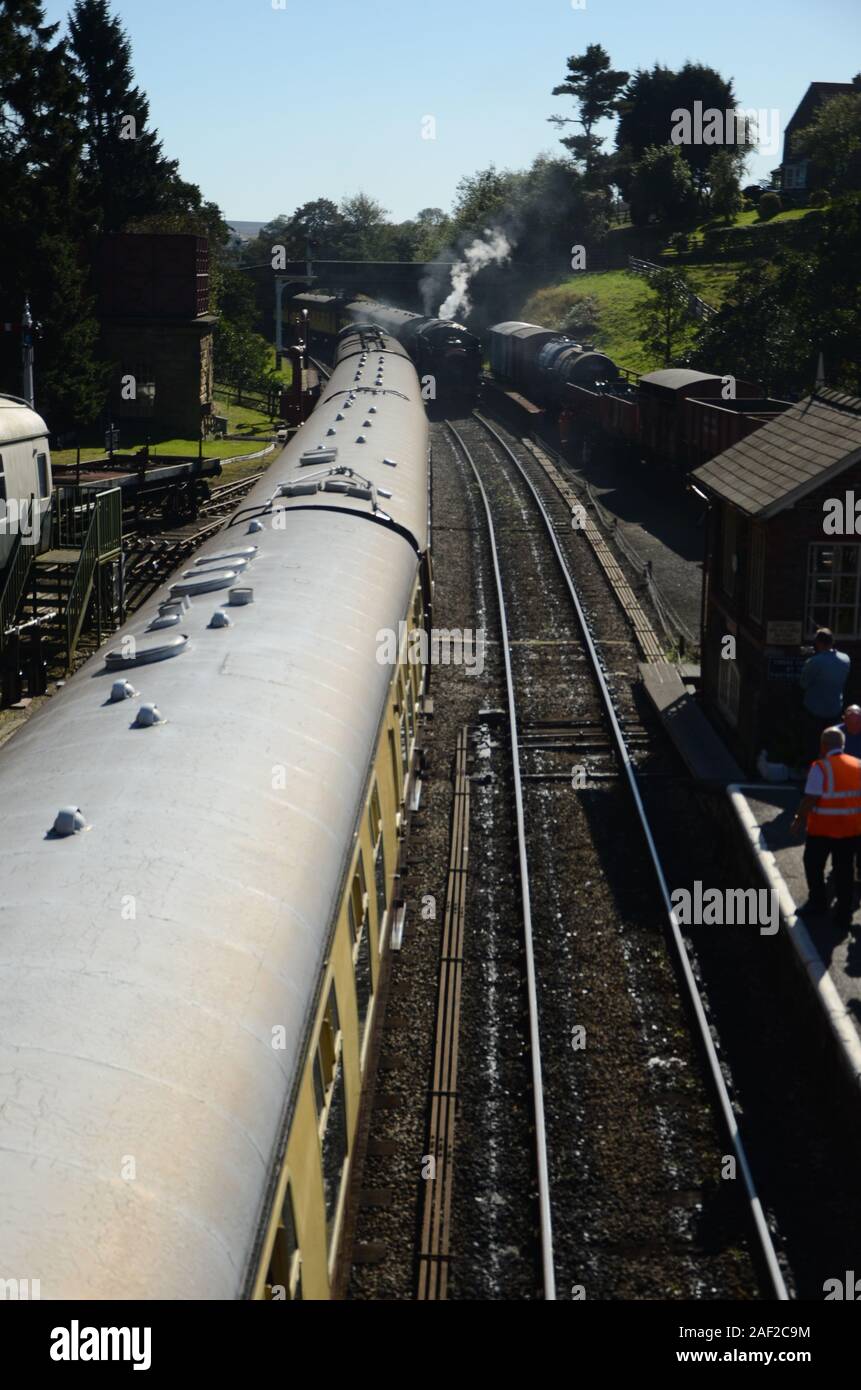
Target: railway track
column 630, row 1110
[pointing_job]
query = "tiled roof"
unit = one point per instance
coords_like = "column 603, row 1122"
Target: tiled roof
column 772, row 468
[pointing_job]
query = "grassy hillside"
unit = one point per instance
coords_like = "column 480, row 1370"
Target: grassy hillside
column 618, row 295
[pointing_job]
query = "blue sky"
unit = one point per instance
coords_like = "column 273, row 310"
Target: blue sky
column 266, row 108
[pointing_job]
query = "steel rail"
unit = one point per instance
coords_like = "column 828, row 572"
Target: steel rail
column 545, row 1217
column 754, row 1203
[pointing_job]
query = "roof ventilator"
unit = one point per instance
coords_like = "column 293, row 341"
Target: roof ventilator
column 220, row 618
column 69, row 821
column 122, row 690
column 148, row 717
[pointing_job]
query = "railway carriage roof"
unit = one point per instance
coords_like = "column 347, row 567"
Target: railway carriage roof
column 149, row 960
column 18, row 421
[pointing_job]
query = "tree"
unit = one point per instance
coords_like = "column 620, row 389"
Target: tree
column 125, row 171
column 832, row 142
column 781, row 314
column 480, row 198
column 661, row 187
column 364, row 219
column 43, row 218
column 595, row 87
column 725, row 197
column 647, row 118
column 666, row 315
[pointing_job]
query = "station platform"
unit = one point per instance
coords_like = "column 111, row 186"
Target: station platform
column 830, row 958
column 704, row 754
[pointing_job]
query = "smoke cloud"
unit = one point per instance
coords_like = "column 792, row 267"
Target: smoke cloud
column 491, row 248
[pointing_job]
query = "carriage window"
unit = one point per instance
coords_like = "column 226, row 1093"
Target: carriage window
column 333, row 1119
column 375, row 819
column 394, row 757
column 357, row 911
column 2, row 481
column 284, row 1278
column 380, row 883
column 42, row 467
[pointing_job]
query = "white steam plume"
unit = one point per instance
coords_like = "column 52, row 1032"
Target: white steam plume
column 492, row 248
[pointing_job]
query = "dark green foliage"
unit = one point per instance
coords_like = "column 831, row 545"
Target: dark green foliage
column 769, row 206
column 595, row 87
column 646, row 119
column 782, row 314
column 666, row 315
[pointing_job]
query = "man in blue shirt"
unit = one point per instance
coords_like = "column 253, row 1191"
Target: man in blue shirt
column 851, row 730
column 823, row 681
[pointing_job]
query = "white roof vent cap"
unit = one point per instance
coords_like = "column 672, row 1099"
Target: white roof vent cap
column 148, row 715
column 254, row 526
column 239, row 597
column 122, row 690
column 220, row 619
column 69, row 821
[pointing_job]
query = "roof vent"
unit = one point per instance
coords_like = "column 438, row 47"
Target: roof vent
column 383, row 492
column 366, row 424
column 360, row 439
column 175, row 605
column 144, row 651
column 318, row 455
column 372, row 410
column 254, row 526
column 69, row 821
column 236, row 562
column 164, row 620
column 205, row 580
column 122, row 690
column 220, row 619
column 228, row 557
column 390, row 463
column 330, row 431
column 339, row 416
column 239, row 597
column 148, row 715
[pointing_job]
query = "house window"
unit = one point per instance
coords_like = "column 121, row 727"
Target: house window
column 729, row 689
column 833, row 573
column 756, row 580
column 729, row 558
column 284, row 1278
column 357, row 910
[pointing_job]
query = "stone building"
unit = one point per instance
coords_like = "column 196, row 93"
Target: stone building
column 156, row 330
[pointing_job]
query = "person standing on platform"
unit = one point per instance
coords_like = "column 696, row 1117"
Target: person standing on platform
column 851, row 730
column 831, row 812
column 823, row 681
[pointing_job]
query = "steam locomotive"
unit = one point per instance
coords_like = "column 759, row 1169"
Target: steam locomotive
column 446, row 355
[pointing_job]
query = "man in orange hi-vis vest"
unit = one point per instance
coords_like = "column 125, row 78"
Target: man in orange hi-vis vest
column 831, row 809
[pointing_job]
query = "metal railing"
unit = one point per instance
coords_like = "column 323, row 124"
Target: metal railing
column 101, row 541
column 17, row 573
column 698, row 307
